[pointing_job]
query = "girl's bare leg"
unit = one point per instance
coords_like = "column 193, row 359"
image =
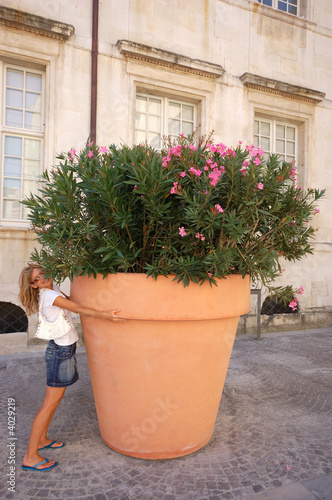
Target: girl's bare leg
column 40, row 425
column 44, row 441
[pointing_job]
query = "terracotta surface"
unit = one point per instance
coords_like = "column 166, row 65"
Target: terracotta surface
column 158, row 378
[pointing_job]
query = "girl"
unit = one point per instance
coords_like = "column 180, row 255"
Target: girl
column 60, row 357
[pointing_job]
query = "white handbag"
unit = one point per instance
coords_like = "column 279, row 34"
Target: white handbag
column 57, row 329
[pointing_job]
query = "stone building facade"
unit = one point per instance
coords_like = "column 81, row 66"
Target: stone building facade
column 259, row 71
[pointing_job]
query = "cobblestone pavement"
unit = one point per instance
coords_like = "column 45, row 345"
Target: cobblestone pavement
column 272, row 438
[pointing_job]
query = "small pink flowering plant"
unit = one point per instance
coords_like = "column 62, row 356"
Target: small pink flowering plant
column 197, row 210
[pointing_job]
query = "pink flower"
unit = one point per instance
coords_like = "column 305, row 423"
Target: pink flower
column 292, row 173
column 176, row 151
column 257, row 160
column 103, row 149
column 217, row 208
column 90, row 154
column 317, row 210
column 231, row 152
column 293, row 304
column 166, row 160
column 218, row 148
column 182, row 231
column 72, row 153
column 90, row 144
column 253, row 151
column 260, row 185
column 135, row 187
column 301, row 290
column 174, row 188
column 183, row 174
column 195, row 171
column 209, row 274
column 215, row 175
column 197, row 235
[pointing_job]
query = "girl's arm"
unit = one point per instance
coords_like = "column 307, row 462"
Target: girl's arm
column 86, row 311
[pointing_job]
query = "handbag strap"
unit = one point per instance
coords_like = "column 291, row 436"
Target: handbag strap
column 41, row 301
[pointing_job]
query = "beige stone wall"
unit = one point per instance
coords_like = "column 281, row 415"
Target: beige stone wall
column 238, row 35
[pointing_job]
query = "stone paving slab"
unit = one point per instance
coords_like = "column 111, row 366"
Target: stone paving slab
column 292, row 492
column 272, row 436
column 321, row 487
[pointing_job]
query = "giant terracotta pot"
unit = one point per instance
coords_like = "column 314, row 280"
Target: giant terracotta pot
column 158, row 378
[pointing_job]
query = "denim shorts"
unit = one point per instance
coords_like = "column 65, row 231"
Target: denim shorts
column 61, row 365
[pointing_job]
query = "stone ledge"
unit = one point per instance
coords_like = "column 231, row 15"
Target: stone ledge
column 13, row 342
column 25, row 21
column 17, row 233
column 257, row 82
column 285, row 322
column 166, row 59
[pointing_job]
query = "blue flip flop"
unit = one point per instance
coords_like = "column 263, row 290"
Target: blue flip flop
column 34, row 467
column 52, row 447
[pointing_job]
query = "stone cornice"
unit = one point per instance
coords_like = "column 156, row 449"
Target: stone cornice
column 257, row 82
column 171, row 60
column 25, row 21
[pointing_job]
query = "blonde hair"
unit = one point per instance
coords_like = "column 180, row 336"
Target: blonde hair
column 29, row 297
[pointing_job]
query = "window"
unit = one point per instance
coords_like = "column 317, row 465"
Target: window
column 159, row 116
column 278, row 137
column 22, row 139
column 290, row 6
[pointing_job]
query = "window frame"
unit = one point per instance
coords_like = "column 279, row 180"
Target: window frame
column 288, row 3
column 301, row 135
column 166, row 99
column 20, row 132
column 274, row 123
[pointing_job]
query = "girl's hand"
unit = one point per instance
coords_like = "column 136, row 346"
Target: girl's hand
column 112, row 316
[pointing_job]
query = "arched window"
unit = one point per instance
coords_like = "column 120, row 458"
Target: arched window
column 12, row 318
